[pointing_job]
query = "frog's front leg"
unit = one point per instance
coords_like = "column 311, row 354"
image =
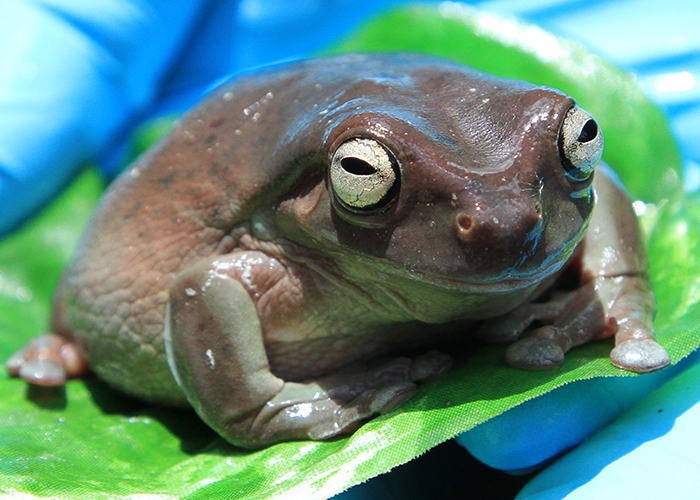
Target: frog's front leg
column 216, row 351
column 622, row 306
column 630, row 316
column 614, row 255
column 615, row 297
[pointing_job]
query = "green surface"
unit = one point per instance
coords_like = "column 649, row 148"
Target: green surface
column 90, row 442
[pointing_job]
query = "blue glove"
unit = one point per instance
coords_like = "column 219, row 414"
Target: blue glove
column 75, row 75
column 649, row 452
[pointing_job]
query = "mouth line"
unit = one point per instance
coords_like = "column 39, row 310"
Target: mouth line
column 506, row 281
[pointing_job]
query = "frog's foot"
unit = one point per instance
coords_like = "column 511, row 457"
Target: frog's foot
column 48, row 360
column 536, row 352
column 510, row 326
column 640, row 356
column 580, row 317
column 637, row 350
column 215, row 349
column 340, row 402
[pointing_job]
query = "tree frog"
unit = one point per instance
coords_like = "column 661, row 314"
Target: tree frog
column 292, row 257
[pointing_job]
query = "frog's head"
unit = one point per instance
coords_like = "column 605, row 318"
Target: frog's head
column 452, row 173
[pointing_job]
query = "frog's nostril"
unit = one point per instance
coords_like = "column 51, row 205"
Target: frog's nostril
column 463, row 224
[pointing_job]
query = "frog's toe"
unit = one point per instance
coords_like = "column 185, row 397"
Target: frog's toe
column 535, row 354
column 429, row 366
column 43, row 372
column 47, row 360
column 370, row 403
column 14, row 363
column 39, row 371
column 503, row 329
column 385, row 399
column 640, row 355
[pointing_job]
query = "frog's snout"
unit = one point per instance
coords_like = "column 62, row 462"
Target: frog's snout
column 494, row 227
column 499, row 235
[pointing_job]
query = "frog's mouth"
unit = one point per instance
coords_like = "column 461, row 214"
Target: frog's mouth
column 487, row 266
column 453, row 276
column 508, row 280
column 396, row 257
column 428, row 296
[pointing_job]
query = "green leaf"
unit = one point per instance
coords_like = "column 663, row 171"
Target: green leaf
column 91, row 442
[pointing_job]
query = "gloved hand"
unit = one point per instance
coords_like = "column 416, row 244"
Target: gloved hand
column 651, row 451
column 532, row 433
column 77, row 74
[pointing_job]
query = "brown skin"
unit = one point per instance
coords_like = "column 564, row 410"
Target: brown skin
column 231, row 238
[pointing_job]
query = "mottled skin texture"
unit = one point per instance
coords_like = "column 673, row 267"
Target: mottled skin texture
column 228, row 236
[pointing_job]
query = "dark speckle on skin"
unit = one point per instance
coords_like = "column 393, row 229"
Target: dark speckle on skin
column 216, row 122
column 227, row 351
column 165, row 181
column 216, row 170
column 134, row 209
column 210, row 138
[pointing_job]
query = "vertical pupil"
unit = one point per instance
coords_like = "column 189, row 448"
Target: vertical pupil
column 588, row 132
column 357, row 166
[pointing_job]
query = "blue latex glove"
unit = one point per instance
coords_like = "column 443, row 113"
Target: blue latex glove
column 534, row 432
column 652, row 451
column 76, row 75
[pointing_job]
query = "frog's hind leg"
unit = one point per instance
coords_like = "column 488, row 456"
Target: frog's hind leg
column 215, row 349
column 47, row 360
column 50, row 359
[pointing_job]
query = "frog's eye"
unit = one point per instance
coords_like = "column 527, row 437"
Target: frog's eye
column 580, row 143
column 365, row 176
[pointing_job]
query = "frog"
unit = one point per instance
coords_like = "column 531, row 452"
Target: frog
column 305, row 246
